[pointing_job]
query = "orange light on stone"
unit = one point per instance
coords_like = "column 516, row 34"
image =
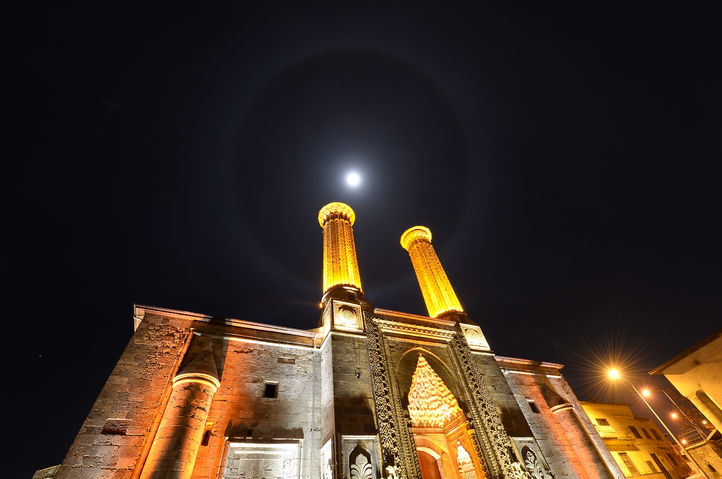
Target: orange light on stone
column 436, row 289
column 340, row 267
column 175, row 446
column 431, row 404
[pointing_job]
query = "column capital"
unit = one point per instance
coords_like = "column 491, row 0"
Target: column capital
column 413, row 234
column 199, row 378
column 336, row 210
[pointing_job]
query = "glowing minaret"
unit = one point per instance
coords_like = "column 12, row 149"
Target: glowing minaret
column 438, row 294
column 340, row 267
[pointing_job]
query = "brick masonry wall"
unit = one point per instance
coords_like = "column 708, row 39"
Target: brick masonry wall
column 133, row 393
column 512, row 416
column 353, row 394
column 563, row 387
column 240, row 411
column 545, row 428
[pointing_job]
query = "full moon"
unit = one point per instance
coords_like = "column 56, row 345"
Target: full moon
column 353, row 179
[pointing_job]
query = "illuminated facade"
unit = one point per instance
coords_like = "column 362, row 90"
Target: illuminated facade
column 368, row 394
column 637, row 444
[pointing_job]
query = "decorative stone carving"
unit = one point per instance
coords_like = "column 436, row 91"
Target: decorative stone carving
column 361, row 468
column 347, row 315
column 397, row 445
column 474, row 337
column 493, row 443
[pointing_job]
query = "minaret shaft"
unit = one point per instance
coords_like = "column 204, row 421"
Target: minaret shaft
column 340, row 267
column 438, row 294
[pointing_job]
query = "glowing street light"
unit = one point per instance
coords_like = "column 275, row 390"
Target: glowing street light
column 614, row 374
column 674, row 415
column 646, row 392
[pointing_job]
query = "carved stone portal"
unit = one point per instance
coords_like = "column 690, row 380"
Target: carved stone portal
column 440, row 428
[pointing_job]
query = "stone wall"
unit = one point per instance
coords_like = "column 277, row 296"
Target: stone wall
column 117, row 434
column 241, row 412
column 114, row 435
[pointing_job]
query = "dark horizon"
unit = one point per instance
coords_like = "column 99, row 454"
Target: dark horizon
column 568, row 163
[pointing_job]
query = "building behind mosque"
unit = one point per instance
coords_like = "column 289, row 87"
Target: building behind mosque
column 368, row 394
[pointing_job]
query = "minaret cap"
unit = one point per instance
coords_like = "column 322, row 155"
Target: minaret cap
column 415, row 233
column 336, row 210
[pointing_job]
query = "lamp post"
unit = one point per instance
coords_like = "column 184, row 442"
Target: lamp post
column 689, row 420
column 614, row 374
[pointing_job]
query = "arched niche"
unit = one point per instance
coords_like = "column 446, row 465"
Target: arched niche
column 360, row 464
column 406, row 366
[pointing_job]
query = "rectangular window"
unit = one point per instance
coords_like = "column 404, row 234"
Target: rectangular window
column 207, row 434
column 646, row 434
column 628, row 462
column 635, row 432
column 656, row 436
column 534, row 408
column 602, row 421
column 651, row 467
column 270, row 390
column 672, row 459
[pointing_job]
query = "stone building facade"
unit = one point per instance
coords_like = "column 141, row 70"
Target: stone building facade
column 368, row 394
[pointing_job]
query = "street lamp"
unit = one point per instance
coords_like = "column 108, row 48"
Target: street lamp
column 614, row 374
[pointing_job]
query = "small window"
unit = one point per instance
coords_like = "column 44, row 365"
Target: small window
column 656, row 436
column 207, row 434
column 271, row 390
column 534, row 408
column 711, row 469
column 671, row 458
column 646, row 434
column 651, row 467
column 602, row 422
column 206, row 437
column 635, row 432
column 628, row 462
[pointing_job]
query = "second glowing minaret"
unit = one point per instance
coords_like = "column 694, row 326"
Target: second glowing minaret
column 340, row 267
column 438, row 294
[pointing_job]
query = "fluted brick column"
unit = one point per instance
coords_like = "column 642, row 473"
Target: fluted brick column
column 438, row 294
column 340, row 267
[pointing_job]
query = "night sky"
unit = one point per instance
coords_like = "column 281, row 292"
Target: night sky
column 568, row 163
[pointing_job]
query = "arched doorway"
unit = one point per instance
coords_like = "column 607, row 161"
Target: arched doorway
column 440, row 428
column 430, row 467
